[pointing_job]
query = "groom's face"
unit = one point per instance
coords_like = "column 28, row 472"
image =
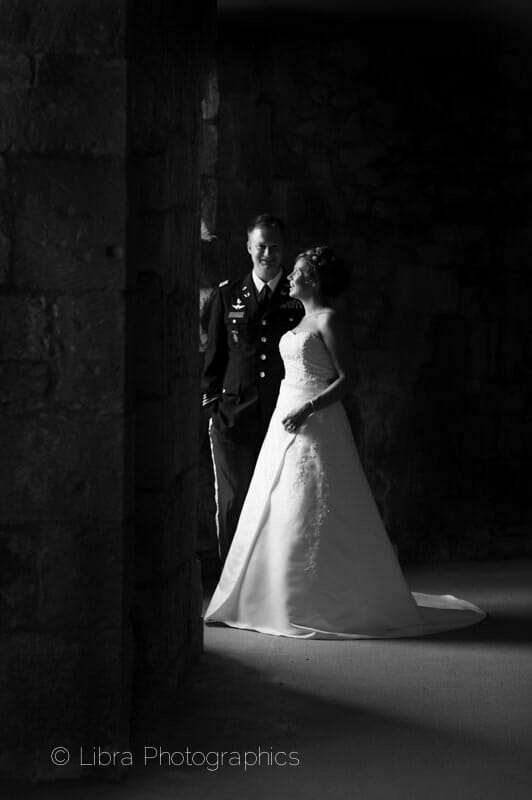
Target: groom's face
column 265, row 246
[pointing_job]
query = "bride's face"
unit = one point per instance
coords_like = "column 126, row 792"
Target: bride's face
column 300, row 284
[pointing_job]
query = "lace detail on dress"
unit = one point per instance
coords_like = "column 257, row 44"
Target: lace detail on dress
column 310, row 476
column 306, row 359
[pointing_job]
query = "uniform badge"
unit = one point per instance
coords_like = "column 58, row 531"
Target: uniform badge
column 239, row 305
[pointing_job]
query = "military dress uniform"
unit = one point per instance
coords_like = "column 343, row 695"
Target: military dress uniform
column 241, row 378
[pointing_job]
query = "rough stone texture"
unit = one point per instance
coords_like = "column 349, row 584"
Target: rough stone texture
column 167, row 76
column 99, row 249
column 66, row 437
column 63, row 466
column 361, row 136
column 92, row 662
column 68, row 224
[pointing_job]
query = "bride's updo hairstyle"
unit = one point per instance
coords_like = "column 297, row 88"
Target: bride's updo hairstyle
column 321, row 265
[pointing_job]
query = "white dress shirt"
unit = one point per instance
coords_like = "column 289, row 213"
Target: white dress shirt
column 272, row 284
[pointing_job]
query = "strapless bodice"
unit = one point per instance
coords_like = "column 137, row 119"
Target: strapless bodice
column 307, row 361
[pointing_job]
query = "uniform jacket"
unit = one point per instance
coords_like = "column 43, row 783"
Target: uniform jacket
column 243, row 368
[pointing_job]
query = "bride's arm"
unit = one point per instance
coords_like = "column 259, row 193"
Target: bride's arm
column 336, row 335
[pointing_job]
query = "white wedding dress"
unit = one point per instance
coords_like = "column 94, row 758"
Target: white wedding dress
column 310, row 557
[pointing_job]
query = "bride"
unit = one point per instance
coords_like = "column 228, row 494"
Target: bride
column 310, row 557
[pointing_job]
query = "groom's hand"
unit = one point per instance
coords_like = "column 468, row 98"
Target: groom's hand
column 210, row 409
column 295, row 418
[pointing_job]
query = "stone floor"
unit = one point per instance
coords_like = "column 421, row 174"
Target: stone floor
column 446, row 716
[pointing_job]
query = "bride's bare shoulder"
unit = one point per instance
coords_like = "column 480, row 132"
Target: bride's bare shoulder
column 331, row 318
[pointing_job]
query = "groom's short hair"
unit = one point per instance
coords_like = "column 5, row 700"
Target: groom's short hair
column 266, row 221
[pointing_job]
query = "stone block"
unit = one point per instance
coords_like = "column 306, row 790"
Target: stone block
column 210, row 101
column 151, row 339
column 25, row 327
column 355, row 158
column 70, row 225
column 213, row 263
column 96, row 27
column 156, row 246
column 89, row 345
column 78, row 104
column 183, row 327
column 163, row 76
column 237, row 71
column 86, row 115
column 63, row 468
column 208, row 148
column 515, row 437
column 425, row 289
column 62, row 577
column 373, row 294
column 62, row 689
column 209, row 198
column 15, row 71
column 207, row 540
column 5, row 256
column 479, row 434
column 370, row 177
column 166, row 529
column 384, row 209
column 156, row 442
column 381, row 417
column 244, row 143
column 166, row 179
column 236, row 199
column 168, row 245
column 373, row 329
column 168, row 628
column 352, row 131
column 23, row 387
column 479, row 347
column 384, row 371
column 186, row 398
column 187, row 257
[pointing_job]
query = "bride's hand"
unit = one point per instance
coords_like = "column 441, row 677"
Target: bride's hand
column 295, row 418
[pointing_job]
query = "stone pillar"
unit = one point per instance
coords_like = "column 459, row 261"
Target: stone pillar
column 99, row 238
column 65, row 425
column 168, row 63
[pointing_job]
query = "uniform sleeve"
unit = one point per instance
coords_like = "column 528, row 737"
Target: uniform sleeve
column 216, row 353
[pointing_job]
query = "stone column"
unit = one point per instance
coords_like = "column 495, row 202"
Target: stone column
column 99, row 238
column 65, row 425
column 168, row 64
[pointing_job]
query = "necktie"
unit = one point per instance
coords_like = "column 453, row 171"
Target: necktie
column 264, row 297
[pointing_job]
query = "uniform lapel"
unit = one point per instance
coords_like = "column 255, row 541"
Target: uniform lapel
column 249, row 295
column 280, row 294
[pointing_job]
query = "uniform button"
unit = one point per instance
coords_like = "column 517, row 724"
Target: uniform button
column 263, row 356
column 262, row 374
column 234, row 322
column 263, row 339
column 290, row 319
column 263, row 322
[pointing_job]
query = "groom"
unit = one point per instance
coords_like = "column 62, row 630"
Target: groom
column 243, row 368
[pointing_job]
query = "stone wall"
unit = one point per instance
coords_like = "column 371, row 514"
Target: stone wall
column 406, row 146
column 99, row 237
column 168, row 58
column 66, row 425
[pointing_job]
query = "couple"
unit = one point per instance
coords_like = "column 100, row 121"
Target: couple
column 310, row 557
